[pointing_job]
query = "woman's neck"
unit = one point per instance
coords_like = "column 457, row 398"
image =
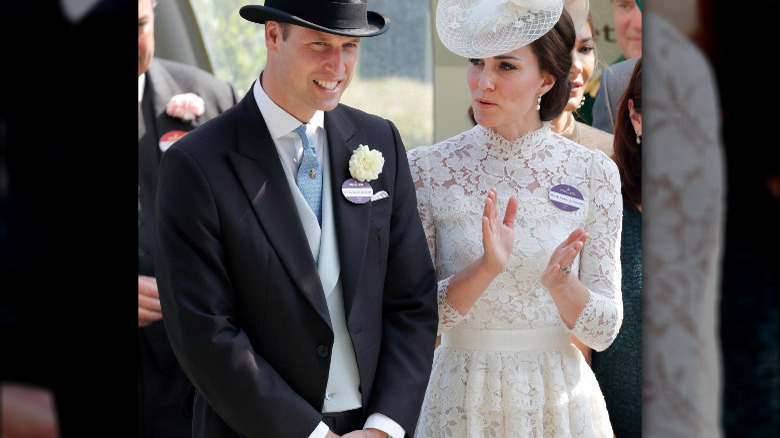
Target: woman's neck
column 562, row 122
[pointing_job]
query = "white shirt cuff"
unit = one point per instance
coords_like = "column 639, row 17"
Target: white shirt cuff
column 321, row 430
column 385, row 424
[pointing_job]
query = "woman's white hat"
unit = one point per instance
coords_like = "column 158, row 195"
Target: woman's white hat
column 485, row 28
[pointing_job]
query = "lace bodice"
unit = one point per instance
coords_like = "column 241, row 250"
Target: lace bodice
column 452, row 179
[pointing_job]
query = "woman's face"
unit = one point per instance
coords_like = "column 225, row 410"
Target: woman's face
column 504, row 91
column 583, row 63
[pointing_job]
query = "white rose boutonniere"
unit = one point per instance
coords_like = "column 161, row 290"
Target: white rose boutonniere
column 366, row 164
column 187, row 107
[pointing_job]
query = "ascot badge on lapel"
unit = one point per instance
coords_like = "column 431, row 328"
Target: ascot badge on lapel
column 365, row 165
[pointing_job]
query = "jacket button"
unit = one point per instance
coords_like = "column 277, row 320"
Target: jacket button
column 322, row 351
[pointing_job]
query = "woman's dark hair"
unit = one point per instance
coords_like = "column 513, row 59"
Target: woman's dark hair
column 553, row 52
column 628, row 153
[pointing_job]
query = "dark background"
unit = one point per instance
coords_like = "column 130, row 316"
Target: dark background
column 68, row 210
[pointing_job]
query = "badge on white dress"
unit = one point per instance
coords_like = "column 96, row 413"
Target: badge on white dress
column 566, row 197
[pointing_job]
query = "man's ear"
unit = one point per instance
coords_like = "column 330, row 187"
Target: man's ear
column 273, row 35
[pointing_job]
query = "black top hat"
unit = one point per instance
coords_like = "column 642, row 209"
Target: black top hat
column 339, row 17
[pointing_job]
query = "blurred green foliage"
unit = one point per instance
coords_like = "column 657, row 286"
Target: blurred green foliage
column 236, row 47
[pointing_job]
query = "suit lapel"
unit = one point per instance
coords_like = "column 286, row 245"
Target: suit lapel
column 163, row 87
column 351, row 220
column 260, row 171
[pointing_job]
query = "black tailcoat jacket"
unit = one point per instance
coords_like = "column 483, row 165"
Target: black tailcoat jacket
column 241, row 296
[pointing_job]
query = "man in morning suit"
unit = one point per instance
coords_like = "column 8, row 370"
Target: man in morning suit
column 165, row 395
column 293, row 315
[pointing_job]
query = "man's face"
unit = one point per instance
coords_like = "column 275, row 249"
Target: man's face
column 309, row 70
column 628, row 26
column 145, row 35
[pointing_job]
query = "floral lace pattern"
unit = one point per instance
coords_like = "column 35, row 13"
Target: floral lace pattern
column 547, row 392
column 684, row 203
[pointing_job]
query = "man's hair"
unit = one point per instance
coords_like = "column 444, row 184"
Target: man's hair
column 286, row 29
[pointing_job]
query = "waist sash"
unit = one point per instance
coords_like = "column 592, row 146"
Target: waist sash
column 505, row 340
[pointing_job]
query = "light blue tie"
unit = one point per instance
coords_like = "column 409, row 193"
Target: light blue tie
column 309, row 178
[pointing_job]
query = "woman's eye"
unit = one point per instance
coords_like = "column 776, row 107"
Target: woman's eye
column 475, row 61
column 507, row 66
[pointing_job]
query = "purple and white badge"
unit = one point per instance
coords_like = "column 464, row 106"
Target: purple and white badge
column 357, row 192
column 566, row 197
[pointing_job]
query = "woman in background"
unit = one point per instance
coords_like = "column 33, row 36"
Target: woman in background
column 584, row 62
column 619, row 367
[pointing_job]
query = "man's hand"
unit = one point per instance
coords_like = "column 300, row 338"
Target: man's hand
column 367, row 433
column 148, row 301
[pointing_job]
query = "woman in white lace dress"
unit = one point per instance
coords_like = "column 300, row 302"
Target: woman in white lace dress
column 513, row 292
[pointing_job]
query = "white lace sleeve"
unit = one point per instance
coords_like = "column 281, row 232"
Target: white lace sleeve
column 448, row 316
column 599, row 270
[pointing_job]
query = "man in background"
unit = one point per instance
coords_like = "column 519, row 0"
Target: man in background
column 173, row 99
column 614, row 78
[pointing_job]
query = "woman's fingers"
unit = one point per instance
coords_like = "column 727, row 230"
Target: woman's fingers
column 511, row 211
column 572, row 250
column 574, row 236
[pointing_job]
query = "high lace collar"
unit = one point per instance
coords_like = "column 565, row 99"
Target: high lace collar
column 498, row 146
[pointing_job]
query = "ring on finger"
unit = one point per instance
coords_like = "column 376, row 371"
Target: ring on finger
column 566, row 270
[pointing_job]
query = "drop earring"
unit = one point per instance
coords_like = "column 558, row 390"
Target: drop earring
column 638, row 138
column 582, row 102
column 539, row 101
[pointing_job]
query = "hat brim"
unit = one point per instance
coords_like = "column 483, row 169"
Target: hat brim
column 578, row 10
column 377, row 23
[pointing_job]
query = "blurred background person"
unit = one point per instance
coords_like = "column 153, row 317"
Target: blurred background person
column 627, row 15
column 173, row 99
column 683, row 205
column 584, row 62
column 613, row 79
column 619, row 367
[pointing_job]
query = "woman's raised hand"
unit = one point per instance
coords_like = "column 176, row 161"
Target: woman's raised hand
column 498, row 236
column 561, row 260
